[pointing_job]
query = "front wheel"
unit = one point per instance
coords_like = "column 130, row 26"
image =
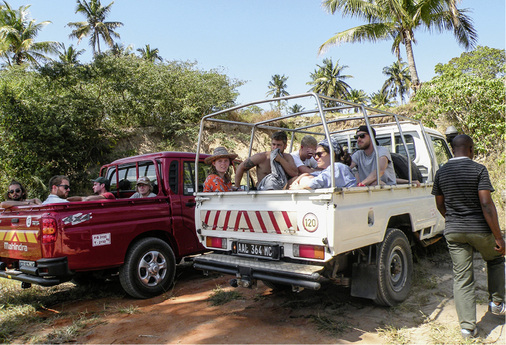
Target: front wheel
column 395, row 269
column 149, row 268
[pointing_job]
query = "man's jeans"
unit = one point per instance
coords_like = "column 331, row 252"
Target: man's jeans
column 461, row 247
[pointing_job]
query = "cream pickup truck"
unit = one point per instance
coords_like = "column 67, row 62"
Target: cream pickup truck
column 360, row 237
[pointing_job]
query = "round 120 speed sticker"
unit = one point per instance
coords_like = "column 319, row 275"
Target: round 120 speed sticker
column 310, row 222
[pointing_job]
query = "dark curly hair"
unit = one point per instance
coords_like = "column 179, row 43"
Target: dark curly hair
column 23, row 190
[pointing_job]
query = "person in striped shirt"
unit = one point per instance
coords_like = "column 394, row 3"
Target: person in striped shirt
column 463, row 190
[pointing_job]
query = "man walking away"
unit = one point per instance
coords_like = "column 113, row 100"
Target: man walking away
column 462, row 190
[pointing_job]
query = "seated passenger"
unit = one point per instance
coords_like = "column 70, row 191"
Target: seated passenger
column 16, row 196
column 275, row 164
column 143, row 189
column 365, row 160
column 219, row 179
column 343, row 176
column 60, row 187
column 100, row 188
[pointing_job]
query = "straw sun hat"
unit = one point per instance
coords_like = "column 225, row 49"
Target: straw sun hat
column 220, row 152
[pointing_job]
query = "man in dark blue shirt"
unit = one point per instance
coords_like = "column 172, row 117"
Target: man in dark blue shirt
column 463, row 196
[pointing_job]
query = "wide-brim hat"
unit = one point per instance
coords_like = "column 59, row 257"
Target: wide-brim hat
column 220, row 152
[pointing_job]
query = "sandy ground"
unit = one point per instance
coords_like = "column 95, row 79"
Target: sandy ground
column 259, row 316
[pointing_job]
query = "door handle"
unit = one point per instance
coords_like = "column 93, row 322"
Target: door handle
column 191, row 204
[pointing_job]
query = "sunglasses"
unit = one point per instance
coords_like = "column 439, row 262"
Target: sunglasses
column 319, row 154
column 12, row 191
column 65, row 186
column 361, row 136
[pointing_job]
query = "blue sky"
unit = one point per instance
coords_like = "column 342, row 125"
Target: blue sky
column 253, row 40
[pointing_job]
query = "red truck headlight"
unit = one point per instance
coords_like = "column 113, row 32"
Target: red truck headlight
column 48, row 230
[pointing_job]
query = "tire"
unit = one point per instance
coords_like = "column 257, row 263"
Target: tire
column 395, row 269
column 401, row 168
column 149, row 268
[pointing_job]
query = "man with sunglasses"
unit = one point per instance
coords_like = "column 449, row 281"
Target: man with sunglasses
column 60, row 187
column 364, row 160
column 16, row 196
column 101, row 187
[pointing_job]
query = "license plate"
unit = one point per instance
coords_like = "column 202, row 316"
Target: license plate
column 26, row 263
column 257, row 250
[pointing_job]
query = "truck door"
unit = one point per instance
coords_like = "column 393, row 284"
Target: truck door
column 187, row 197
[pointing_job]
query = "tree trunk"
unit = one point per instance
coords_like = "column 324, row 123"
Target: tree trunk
column 415, row 82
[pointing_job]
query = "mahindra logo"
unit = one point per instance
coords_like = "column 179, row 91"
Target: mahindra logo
column 14, row 246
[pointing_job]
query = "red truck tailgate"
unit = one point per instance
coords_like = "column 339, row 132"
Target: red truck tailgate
column 19, row 237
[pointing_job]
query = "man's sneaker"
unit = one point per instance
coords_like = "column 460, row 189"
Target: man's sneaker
column 497, row 309
column 469, row 334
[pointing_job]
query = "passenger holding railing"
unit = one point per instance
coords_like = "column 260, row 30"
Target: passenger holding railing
column 219, row 179
column 343, row 176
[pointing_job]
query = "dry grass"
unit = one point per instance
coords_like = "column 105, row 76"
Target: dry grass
column 220, row 296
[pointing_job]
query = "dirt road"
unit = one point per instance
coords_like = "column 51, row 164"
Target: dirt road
column 328, row 316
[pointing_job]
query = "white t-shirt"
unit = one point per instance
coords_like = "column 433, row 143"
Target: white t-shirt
column 310, row 162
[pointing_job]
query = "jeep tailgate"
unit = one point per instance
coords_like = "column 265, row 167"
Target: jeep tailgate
column 19, row 237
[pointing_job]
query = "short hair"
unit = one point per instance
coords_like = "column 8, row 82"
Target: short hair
column 308, row 141
column 462, row 141
column 23, row 190
column 280, row 135
column 56, row 180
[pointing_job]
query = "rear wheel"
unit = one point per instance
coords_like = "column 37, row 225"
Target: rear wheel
column 395, row 269
column 149, row 268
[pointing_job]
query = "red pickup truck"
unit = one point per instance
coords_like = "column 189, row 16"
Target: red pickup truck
column 141, row 239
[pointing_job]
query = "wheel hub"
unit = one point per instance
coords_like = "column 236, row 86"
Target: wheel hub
column 152, row 268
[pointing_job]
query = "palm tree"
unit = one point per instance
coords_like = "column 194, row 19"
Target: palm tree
column 296, row 108
column 357, row 96
column 95, row 24
column 329, row 80
column 399, row 80
column 69, row 56
column 380, row 99
column 17, row 37
column 150, row 54
column 277, row 86
column 397, row 20
column 119, row 49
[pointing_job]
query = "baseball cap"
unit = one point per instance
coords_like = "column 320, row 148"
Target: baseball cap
column 101, row 179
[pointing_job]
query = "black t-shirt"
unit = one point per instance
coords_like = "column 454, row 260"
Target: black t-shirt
column 459, row 181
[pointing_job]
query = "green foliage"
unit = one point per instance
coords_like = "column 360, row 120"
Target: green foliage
column 46, row 131
column 483, row 62
column 65, row 119
column 473, row 104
